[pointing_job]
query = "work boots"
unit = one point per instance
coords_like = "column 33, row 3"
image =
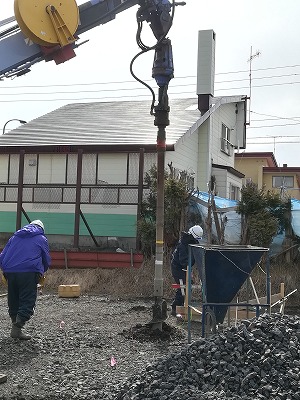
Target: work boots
column 16, row 330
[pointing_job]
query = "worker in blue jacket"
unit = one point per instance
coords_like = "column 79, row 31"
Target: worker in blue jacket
column 23, row 261
column 179, row 261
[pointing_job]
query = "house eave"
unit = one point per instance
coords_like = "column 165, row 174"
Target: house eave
column 219, row 102
column 90, row 148
column 231, row 170
column 269, row 156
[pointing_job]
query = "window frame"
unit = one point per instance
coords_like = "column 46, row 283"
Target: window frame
column 234, row 192
column 283, row 183
column 226, row 146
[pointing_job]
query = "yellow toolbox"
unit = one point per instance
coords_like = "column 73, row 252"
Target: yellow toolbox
column 69, row 290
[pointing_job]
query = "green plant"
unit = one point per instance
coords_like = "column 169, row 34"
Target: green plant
column 263, row 214
column 176, row 195
column 146, row 233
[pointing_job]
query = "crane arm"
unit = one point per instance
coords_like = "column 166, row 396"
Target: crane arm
column 18, row 52
column 92, row 15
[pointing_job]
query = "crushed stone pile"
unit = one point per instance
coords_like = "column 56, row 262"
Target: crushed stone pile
column 258, row 359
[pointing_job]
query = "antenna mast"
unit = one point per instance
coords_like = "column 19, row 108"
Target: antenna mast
column 252, row 56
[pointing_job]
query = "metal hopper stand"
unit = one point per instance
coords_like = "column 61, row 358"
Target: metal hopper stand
column 223, row 269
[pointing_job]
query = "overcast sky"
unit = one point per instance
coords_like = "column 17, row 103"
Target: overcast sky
column 100, row 72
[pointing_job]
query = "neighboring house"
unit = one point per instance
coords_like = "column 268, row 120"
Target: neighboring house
column 262, row 169
column 81, row 168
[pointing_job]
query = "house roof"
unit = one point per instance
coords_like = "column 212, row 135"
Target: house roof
column 124, row 124
column 269, row 156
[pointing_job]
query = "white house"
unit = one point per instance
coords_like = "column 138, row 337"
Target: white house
column 81, row 168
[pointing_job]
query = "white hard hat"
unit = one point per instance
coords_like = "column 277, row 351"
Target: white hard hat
column 38, row 222
column 196, row 231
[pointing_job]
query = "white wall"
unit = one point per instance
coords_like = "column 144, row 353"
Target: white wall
column 185, row 156
column 198, row 151
column 226, row 115
column 224, row 180
column 103, row 209
column 221, row 182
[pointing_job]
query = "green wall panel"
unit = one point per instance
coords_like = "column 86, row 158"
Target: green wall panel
column 63, row 224
column 7, row 221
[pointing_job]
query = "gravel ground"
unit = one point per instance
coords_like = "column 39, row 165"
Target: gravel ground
column 73, row 342
column 98, row 348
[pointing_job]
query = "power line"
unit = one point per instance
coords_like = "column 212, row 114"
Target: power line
column 91, row 98
column 260, row 77
column 272, row 119
column 259, row 69
column 272, row 143
column 260, row 86
column 274, row 137
column 271, row 126
column 88, row 91
column 274, row 116
column 81, row 84
column 147, row 80
column 124, row 96
column 139, row 88
column 179, row 77
column 126, row 89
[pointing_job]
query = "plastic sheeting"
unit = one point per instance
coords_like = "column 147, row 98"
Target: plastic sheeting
column 232, row 233
column 220, row 201
column 296, row 217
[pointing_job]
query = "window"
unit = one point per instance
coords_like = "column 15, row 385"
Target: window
column 234, row 192
column 89, row 166
column 112, row 168
column 283, row 181
column 51, row 168
column 225, row 140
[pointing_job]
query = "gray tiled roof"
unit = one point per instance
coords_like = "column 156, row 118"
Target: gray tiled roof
column 104, row 124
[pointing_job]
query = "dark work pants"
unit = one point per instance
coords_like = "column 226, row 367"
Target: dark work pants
column 21, row 294
column 177, row 275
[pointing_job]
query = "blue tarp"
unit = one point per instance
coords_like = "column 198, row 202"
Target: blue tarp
column 220, row 201
column 232, row 233
column 296, row 217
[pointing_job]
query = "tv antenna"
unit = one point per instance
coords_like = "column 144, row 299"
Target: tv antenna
column 252, row 56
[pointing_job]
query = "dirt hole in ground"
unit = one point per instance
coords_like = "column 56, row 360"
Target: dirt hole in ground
column 146, row 333
column 138, row 308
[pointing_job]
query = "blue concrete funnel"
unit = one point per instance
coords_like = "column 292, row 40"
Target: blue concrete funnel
column 223, row 270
